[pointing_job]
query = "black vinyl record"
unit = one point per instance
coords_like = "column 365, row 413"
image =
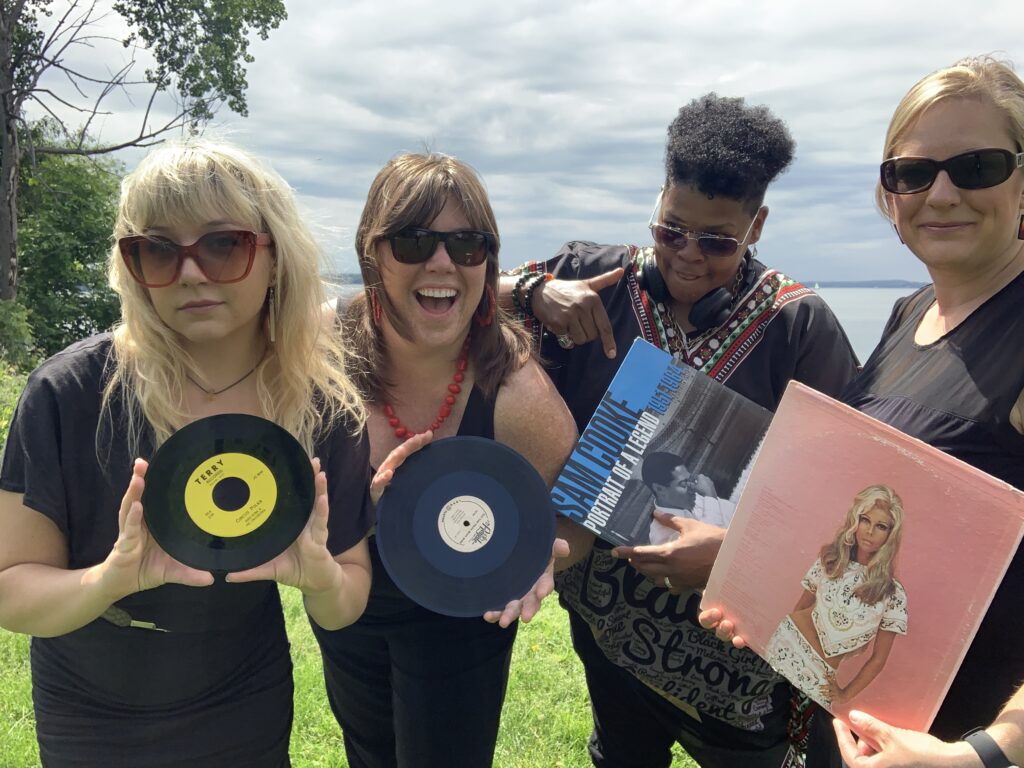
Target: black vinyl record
column 228, row 492
column 465, row 526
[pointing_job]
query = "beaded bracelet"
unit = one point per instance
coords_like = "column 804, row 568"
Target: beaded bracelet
column 517, row 291
column 539, row 280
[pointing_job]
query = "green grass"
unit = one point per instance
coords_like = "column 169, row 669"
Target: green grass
column 545, row 724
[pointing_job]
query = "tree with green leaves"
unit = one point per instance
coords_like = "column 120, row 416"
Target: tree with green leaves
column 200, row 49
column 66, row 210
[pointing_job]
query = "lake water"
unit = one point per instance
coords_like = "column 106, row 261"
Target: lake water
column 861, row 311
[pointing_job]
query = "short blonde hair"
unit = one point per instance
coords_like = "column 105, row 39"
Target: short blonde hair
column 977, row 77
column 200, row 181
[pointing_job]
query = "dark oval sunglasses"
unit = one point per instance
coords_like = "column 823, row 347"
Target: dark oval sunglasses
column 977, row 169
column 466, row 247
column 223, row 257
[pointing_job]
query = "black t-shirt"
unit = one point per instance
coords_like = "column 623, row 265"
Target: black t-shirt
column 195, row 687
column 956, row 394
column 778, row 330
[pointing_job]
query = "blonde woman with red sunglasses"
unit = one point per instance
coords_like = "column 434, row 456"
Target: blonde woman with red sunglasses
column 138, row 659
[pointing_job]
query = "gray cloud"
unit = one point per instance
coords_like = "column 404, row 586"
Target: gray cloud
column 562, row 107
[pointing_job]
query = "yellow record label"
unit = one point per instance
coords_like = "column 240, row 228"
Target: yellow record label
column 230, row 495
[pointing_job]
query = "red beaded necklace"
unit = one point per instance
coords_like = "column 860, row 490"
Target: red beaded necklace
column 403, row 432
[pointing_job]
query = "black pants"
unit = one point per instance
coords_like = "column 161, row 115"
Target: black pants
column 634, row 727
column 414, row 689
column 822, row 748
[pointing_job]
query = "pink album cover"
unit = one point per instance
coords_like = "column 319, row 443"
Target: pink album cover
column 860, row 561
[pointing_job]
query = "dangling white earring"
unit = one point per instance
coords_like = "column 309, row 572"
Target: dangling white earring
column 272, row 313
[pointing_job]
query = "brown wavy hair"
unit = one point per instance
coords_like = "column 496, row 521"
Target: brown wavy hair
column 410, row 191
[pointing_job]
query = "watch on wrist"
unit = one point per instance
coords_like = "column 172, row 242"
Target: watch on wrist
column 989, row 752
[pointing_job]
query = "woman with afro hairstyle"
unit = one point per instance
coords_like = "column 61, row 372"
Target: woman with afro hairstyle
column 698, row 292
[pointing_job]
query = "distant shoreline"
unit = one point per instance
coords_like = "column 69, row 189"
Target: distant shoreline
column 865, row 284
column 348, row 278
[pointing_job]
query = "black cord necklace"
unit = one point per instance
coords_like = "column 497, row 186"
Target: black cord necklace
column 211, row 393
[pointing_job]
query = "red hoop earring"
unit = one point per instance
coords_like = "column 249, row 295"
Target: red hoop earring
column 485, row 312
column 375, row 307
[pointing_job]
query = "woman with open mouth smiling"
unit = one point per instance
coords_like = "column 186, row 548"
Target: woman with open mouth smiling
column 435, row 356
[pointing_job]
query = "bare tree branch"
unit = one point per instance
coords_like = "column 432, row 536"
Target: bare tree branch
column 144, row 139
column 54, row 115
column 115, row 77
column 55, row 97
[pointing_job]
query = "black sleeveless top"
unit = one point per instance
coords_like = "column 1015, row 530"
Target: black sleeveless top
column 387, row 603
column 956, row 394
column 478, row 419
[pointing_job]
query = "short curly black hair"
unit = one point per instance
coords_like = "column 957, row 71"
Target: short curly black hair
column 658, row 468
column 723, row 147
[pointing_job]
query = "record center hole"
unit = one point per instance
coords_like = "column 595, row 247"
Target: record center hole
column 230, row 494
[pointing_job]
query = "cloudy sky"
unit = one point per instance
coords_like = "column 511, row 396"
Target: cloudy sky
column 562, row 106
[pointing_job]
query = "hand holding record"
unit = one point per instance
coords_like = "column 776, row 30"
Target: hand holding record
column 526, row 607
column 395, row 459
column 137, row 562
column 306, row 564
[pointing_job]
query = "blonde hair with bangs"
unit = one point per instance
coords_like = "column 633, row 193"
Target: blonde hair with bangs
column 879, row 581
column 980, row 77
column 306, row 390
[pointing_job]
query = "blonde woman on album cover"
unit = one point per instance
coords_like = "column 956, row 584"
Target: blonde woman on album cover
column 135, row 656
column 851, row 598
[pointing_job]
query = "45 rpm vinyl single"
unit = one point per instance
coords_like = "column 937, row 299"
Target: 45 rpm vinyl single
column 465, row 526
column 228, row 492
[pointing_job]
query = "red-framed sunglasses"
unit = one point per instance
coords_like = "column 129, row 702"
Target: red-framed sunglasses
column 225, row 256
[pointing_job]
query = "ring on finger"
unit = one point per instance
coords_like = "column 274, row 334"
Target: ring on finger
column 668, row 584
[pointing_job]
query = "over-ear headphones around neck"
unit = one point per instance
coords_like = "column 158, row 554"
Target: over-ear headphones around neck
column 710, row 310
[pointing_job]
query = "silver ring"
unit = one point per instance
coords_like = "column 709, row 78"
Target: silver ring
column 668, row 584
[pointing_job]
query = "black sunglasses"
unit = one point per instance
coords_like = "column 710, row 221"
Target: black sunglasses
column 466, row 247
column 223, row 256
column 977, row 169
